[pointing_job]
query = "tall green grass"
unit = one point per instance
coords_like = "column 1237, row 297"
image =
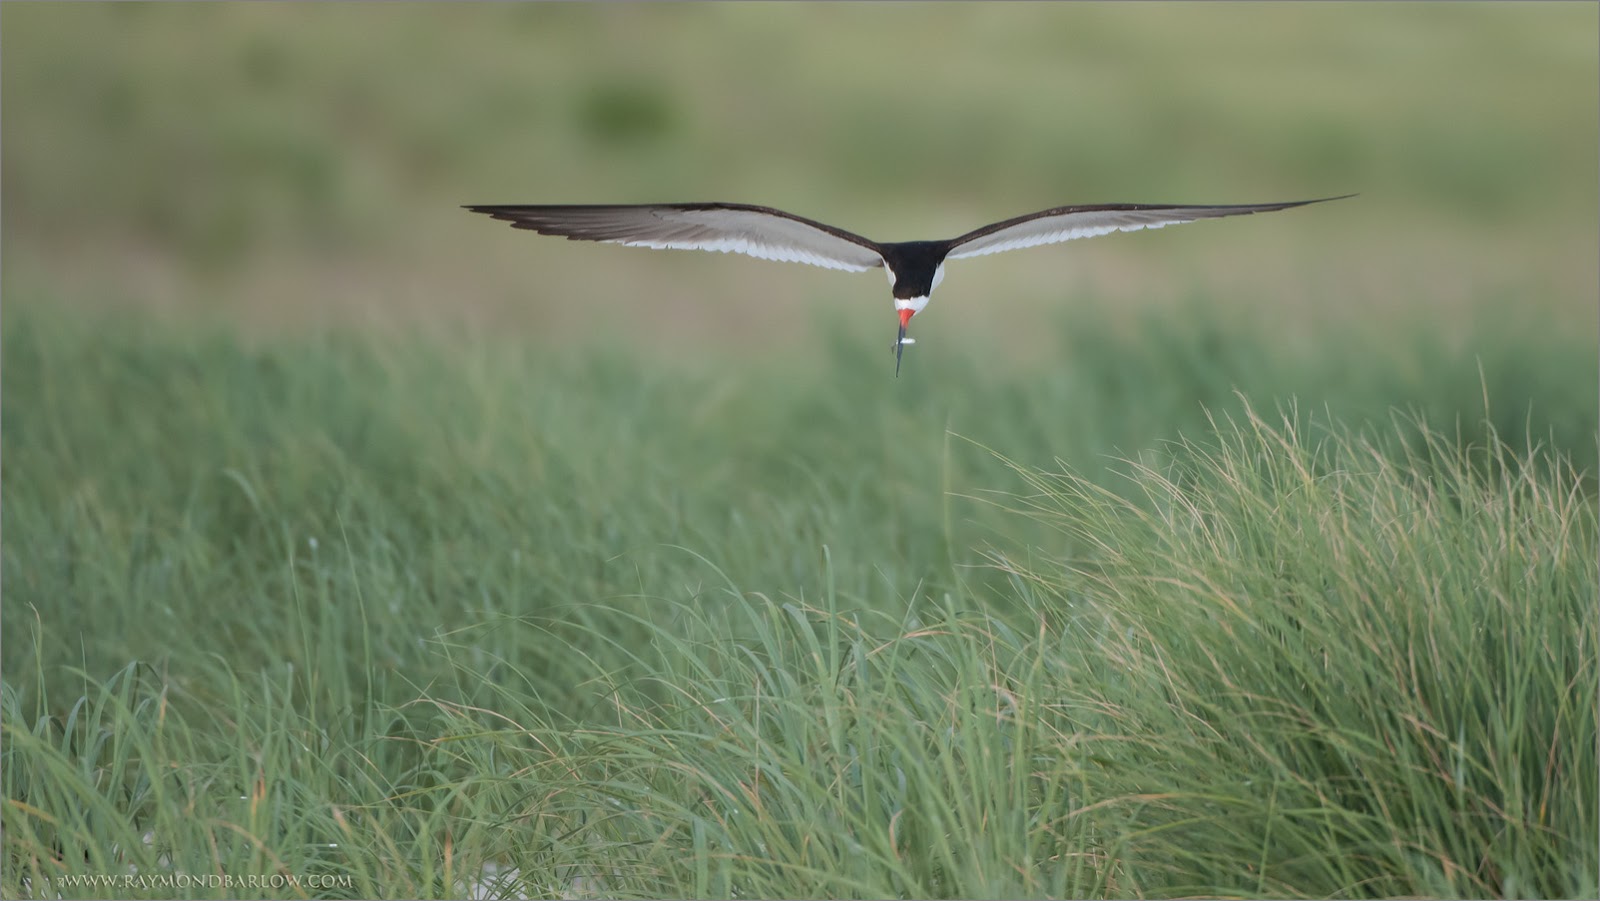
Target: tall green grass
column 425, row 614
column 1349, row 661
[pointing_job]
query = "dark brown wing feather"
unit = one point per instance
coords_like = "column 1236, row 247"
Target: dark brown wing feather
column 1067, row 222
column 758, row 231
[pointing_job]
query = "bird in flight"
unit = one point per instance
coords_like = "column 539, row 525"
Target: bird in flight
column 915, row 268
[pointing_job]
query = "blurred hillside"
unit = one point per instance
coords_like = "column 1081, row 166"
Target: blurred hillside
column 291, row 164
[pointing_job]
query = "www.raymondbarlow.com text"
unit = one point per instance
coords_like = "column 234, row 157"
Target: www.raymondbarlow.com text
column 157, row 881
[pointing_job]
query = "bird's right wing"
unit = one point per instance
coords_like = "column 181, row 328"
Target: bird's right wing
column 757, row 231
column 1067, row 222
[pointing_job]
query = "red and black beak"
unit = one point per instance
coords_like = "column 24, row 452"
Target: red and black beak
column 900, row 343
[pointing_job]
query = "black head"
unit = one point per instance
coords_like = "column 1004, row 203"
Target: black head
column 915, row 265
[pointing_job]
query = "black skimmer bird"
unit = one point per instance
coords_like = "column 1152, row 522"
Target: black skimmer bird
column 915, row 268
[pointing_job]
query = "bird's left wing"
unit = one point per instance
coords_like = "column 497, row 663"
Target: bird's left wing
column 1067, row 222
column 726, row 227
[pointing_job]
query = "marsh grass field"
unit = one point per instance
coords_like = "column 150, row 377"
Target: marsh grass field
column 397, row 612
column 1269, row 578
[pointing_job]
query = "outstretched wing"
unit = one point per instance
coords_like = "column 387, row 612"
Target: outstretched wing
column 1067, row 222
column 726, row 227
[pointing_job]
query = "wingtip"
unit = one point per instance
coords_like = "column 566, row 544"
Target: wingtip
column 498, row 212
column 1289, row 205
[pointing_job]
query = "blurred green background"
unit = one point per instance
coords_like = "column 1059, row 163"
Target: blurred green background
column 294, row 164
